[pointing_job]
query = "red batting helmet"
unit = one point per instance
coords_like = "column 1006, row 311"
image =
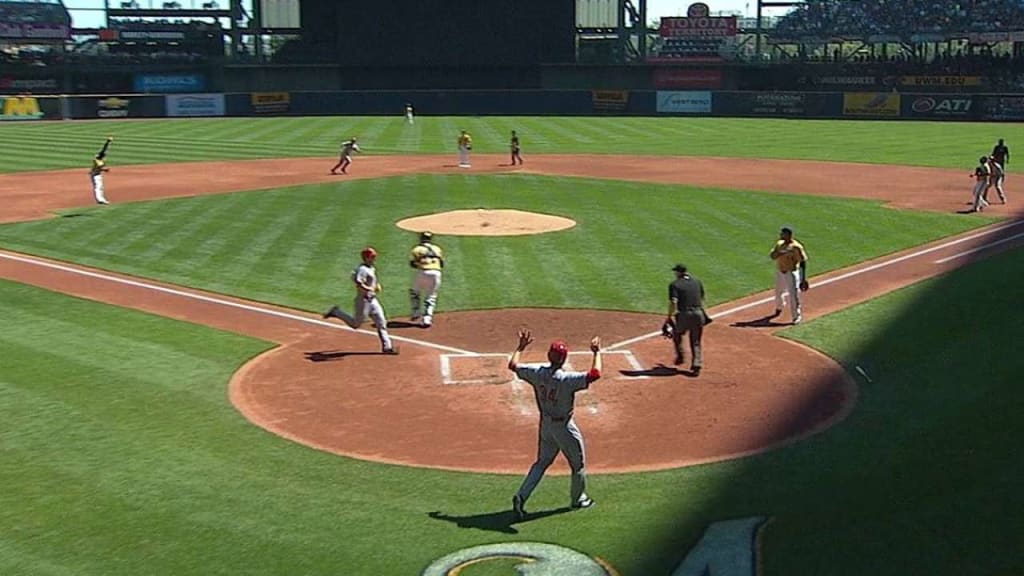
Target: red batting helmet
column 558, row 352
column 368, row 253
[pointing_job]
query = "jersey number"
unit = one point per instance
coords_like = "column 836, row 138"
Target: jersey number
column 551, row 395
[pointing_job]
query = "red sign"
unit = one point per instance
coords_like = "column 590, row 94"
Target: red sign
column 704, row 27
column 687, row 78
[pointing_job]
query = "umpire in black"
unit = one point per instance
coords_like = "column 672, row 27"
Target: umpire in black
column 687, row 315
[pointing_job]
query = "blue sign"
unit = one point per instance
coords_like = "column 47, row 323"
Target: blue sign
column 165, row 83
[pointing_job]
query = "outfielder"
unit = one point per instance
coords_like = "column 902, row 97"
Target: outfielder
column 99, row 166
column 347, row 148
column 408, row 114
column 465, row 145
column 366, row 302
column 555, row 391
column 982, row 176
column 791, row 276
column 428, row 260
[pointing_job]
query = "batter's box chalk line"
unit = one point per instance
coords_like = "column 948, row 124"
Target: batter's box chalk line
column 447, row 359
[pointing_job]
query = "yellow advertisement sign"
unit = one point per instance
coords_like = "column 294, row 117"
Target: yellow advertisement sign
column 940, row 80
column 615, row 100
column 270, row 102
column 21, row 108
column 880, row 104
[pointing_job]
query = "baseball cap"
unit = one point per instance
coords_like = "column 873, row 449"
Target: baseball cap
column 787, row 229
column 679, row 268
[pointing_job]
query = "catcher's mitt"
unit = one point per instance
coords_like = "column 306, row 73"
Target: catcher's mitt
column 668, row 329
column 804, row 286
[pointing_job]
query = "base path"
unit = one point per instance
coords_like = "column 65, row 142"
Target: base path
column 448, row 402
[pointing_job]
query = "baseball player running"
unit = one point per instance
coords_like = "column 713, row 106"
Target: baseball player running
column 996, row 176
column 348, row 147
column 791, row 277
column 427, row 259
column 515, row 149
column 555, row 390
column 983, row 177
column 465, row 145
column 366, row 302
column 99, row 166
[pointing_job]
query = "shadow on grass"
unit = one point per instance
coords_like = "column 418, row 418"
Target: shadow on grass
column 500, row 521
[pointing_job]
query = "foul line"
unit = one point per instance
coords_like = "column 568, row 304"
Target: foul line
column 980, row 248
column 222, row 302
column 857, row 272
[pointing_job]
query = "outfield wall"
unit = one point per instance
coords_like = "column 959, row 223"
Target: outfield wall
column 835, row 105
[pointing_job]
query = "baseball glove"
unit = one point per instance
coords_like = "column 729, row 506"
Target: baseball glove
column 804, row 286
column 668, row 329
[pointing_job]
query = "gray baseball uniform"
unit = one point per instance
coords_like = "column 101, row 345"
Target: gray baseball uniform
column 555, row 391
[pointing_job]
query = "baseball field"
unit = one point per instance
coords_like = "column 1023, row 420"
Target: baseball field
column 172, row 403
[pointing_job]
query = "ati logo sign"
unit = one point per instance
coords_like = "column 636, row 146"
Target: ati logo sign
column 942, row 106
column 728, row 548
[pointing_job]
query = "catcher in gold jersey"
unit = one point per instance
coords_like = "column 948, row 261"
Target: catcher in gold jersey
column 427, row 259
column 791, row 276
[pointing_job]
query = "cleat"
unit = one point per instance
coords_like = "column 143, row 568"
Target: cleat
column 585, row 502
column 332, row 313
column 517, row 507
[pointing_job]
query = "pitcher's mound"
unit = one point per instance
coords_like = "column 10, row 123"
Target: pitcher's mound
column 483, row 222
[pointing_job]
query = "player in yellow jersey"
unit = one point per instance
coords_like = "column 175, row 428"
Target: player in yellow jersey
column 791, row 275
column 427, row 259
column 465, row 145
column 99, row 167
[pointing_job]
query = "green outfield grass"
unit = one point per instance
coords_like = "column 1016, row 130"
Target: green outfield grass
column 121, row 455
column 297, row 246
column 53, row 145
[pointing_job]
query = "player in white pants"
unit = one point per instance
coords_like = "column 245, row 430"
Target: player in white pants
column 408, row 114
column 555, row 391
column 465, row 145
column 427, row 259
column 791, row 274
column 99, row 167
column 366, row 302
column 996, row 178
column 982, row 175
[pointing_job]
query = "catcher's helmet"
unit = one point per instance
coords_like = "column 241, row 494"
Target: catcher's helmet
column 368, row 253
column 558, row 352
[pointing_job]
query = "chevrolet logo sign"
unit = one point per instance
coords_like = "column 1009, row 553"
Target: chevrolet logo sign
column 113, row 102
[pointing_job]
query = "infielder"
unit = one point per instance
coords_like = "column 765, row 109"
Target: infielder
column 996, row 177
column 515, row 149
column 982, row 176
column 99, row 166
column 408, row 114
column 465, row 145
column 427, row 259
column 555, row 391
column 348, row 147
column 791, row 276
column 366, row 302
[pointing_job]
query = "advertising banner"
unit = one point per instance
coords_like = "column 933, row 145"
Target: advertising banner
column 270, row 102
column 698, row 23
column 871, row 104
column 777, row 104
column 687, row 78
column 1004, row 108
column 11, row 84
column 20, row 108
column 692, row 102
column 34, row 31
column 195, row 105
column 938, row 106
column 610, row 100
column 940, row 80
column 169, row 83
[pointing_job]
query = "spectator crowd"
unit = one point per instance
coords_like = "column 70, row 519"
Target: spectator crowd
column 861, row 18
